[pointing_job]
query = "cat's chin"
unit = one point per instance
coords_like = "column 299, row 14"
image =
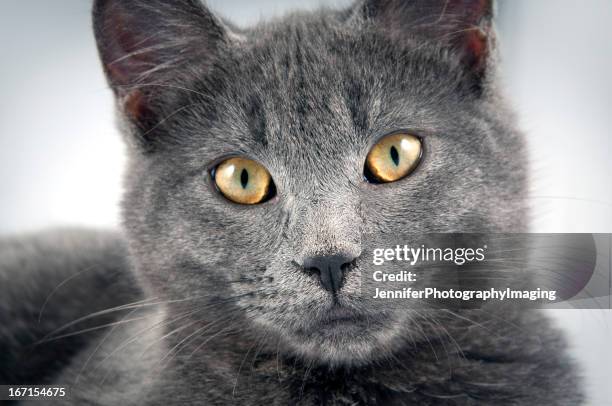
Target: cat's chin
column 346, row 339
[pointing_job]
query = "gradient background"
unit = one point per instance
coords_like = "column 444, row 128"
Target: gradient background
column 61, row 158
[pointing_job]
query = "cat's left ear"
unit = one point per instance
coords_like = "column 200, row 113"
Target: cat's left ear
column 464, row 26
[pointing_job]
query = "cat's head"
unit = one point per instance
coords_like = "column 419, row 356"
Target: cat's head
column 260, row 159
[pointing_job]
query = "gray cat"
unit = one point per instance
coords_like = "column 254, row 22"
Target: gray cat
column 255, row 174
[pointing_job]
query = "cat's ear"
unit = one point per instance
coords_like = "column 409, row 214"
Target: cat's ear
column 465, row 26
column 148, row 44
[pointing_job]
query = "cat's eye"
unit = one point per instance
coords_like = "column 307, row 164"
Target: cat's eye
column 243, row 181
column 393, row 158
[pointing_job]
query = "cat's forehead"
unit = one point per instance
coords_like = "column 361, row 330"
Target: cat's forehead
column 298, row 83
column 313, row 83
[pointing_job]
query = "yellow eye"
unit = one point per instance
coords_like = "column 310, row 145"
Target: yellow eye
column 393, row 157
column 243, row 181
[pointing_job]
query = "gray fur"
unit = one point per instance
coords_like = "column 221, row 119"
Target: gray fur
column 306, row 96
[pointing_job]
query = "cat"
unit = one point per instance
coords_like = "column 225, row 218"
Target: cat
column 218, row 294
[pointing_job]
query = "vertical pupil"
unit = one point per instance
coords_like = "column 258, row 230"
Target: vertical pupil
column 394, row 155
column 244, row 178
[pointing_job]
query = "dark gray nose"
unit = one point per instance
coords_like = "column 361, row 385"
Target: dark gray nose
column 330, row 268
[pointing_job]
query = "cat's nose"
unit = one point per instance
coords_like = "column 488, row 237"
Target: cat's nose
column 330, row 268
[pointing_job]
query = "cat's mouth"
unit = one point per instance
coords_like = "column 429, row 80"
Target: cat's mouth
column 343, row 321
column 342, row 335
column 339, row 315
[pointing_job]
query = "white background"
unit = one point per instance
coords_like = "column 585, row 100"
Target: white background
column 61, row 158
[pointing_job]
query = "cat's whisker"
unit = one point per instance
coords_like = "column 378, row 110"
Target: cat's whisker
column 91, row 355
column 58, row 286
column 208, row 339
column 185, row 341
column 166, row 322
column 176, row 349
column 138, row 305
column 449, row 335
column 473, row 322
column 428, row 319
column 278, row 344
column 139, row 335
column 240, row 368
column 172, row 332
column 135, row 305
column 259, row 343
column 262, row 344
column 421, row 332
column 90, row 329
column 503, row 320
column 305, row 378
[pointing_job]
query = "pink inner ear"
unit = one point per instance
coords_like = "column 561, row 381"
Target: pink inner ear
column 136, row 108
column 476, row 47
column 474, row 42
column 134, row 105
column 123, row 62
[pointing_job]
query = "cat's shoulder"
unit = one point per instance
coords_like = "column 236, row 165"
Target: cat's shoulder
column 59, row 252
column 49, row 280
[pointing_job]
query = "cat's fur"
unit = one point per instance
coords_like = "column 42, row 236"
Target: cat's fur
column 223, row 312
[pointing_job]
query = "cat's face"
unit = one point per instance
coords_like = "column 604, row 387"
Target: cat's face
column 307, row 98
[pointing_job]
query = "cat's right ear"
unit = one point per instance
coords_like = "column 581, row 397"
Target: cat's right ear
column 147, row 46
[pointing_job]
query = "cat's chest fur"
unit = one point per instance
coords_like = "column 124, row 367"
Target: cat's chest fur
column 139, row 365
